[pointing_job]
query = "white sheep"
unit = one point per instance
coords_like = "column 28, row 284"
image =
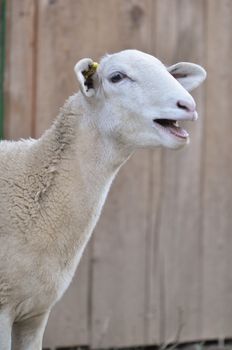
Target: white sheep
column 52, row 189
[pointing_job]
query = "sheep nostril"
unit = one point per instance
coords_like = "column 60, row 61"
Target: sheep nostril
column 187, row 106
column 182, row 106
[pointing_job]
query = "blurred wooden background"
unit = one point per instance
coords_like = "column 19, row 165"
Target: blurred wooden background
column 159, row 263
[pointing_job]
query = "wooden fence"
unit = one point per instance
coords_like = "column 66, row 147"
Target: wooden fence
column 159, row 263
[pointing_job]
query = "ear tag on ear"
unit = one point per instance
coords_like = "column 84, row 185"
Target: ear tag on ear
column 92, row 69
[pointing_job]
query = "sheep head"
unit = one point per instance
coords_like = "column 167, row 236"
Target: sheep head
column 138, row 101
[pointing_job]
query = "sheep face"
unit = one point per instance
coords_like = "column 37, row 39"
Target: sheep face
column 139, row 101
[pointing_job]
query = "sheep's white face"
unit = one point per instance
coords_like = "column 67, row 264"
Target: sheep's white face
column 140, row 101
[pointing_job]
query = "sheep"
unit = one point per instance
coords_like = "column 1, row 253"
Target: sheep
column 53, row 188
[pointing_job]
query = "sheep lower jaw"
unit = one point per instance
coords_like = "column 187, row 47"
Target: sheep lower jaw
column 171, row 127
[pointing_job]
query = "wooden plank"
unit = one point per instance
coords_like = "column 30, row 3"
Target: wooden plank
column 2, row 61
column 119, row 251
column 19, row 69
column 119, row 269
column 178, row 226
column 217, row 287
column 65, row 34
column 161, row 34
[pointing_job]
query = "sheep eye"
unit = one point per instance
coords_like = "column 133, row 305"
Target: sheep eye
column 117, row 77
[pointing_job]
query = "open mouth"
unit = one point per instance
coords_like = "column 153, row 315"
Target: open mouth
column 172, row 127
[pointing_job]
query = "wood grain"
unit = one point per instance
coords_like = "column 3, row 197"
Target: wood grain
column 217, row 239
column 178, row 227
column 19, row 75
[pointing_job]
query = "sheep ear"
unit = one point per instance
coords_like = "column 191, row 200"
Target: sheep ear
column 86, row 72
column 189, row 75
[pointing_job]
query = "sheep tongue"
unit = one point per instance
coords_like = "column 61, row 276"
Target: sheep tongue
column 173, row 127
column 177, row 131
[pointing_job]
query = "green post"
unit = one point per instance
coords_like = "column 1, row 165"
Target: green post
column 2, row 61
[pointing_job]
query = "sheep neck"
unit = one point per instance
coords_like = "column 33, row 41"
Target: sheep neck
column 80, row 165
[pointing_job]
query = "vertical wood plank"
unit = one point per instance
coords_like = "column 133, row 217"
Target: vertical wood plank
column 2, row 60
column 162, row 46
column 120, row 260
column 119, row 250
column 66, row 33
column 218, row 173
column 19, row 69
column 179, row 208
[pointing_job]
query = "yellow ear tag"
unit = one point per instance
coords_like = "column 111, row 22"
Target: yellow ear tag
column 92, row 69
